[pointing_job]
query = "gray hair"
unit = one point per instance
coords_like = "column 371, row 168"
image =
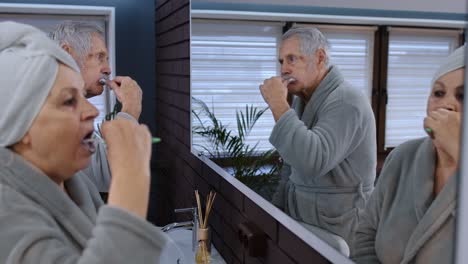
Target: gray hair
column 77, row 34
column 311, row 40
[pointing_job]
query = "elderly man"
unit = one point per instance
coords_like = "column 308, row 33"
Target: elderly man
column 326, row 139
column 85, row 42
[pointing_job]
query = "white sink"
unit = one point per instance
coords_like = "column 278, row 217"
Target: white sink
column 183, row 239
column 171, row 253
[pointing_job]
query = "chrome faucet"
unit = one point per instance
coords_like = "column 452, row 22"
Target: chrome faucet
column 189, row 225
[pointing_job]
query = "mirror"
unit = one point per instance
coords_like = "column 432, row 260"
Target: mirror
column 47, row 17
column 390, row 61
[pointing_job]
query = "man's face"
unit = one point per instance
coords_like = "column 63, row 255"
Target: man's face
column 94, row 66
column 302, row 67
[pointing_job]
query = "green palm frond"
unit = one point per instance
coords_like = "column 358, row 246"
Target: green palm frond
column 245, row 122
column 249, row 164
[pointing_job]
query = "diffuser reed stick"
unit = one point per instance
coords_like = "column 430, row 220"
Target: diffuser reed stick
column 202, row 255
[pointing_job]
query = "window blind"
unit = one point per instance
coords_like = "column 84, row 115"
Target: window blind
column 229, row 62
column 413, row 58
column 352, row 50
column 100, row 103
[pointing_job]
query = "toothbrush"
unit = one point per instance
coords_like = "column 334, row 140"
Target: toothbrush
column 288, row 78
column 429, row 132
column 102, row 81
column 96, row 138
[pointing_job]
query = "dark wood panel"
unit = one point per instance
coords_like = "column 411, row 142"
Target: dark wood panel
column 160, row 3
column 174, row 51
column 233, row 195
column 274, row 255
column 168, row 23
column 169, row 8
column 176, row 35
column 174, row 83
column 259, row 217
column 297, row 249
column 175, row 67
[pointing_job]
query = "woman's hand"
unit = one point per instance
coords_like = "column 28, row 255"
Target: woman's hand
column 446, row 127
column 129, row 154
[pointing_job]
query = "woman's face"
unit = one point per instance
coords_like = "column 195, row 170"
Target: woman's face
column 447, row 92
column 54, row 141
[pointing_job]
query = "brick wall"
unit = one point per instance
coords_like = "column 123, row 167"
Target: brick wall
column 177, row 172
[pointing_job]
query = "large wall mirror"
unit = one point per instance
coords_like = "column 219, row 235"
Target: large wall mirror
column 47, row 17
column 390, row 60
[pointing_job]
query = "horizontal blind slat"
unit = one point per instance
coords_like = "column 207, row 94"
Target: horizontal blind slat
column 230, row 61
column 412, row 62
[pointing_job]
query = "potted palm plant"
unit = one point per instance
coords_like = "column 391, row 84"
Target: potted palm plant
column 228, row 148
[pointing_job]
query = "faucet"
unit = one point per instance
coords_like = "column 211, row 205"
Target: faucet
column 189, row 225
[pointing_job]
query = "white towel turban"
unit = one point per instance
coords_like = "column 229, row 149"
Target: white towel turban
column 29, row 63
column 454, row 61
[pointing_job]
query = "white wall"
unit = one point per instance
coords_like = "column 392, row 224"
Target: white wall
column 444, row 6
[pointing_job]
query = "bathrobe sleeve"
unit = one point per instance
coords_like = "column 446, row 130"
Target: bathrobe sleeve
column 364, row 250
column 31, row 236
column 319, row 149
column 98, row 171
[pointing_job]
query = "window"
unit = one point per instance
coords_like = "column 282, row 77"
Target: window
column 231, row 58
column 413, row 57
column 352, row 50
column 229, row 62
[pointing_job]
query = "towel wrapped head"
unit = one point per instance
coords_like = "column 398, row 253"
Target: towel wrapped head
column 454, row 61
column 29, row 63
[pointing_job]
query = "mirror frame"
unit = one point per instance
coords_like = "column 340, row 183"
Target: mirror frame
column 461, row 241
column 301, row 232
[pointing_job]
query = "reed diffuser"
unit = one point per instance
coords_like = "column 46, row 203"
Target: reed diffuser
column 203, row 254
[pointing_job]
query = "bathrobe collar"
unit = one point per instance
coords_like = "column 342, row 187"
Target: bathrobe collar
column 77, row 212
column 423, row 184
column 431, row 213
column 332, row 80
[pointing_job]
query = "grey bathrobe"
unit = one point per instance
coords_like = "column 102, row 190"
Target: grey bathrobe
column 402, row 222
column 329, row 150
column 40, row 223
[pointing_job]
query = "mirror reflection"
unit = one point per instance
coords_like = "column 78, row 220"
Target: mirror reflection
column 413, row 204
column 306, row 114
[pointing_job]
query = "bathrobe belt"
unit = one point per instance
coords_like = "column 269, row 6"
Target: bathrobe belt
column 361, row 188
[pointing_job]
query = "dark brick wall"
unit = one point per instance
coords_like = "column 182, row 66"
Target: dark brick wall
column 179, row 173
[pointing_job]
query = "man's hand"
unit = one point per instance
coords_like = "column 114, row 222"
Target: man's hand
column 275, row 94
column 446, row 127
column 129, row 93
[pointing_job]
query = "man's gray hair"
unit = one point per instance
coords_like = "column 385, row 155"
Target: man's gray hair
column 311, row 40
column 77, row 34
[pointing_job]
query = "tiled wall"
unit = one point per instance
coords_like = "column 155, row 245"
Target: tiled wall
column 178, row 172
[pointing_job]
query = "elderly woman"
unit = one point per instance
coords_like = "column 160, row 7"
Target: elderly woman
column 49, row 212
column 410, row 217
